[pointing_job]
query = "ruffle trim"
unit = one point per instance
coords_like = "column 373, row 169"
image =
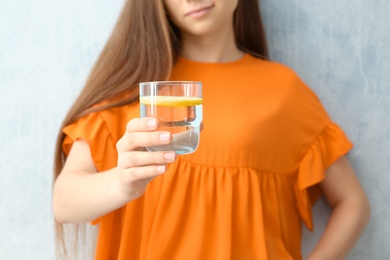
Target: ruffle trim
column 92, row 129
column 330, row 145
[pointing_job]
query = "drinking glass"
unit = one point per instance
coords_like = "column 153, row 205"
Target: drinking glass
column 178, row 107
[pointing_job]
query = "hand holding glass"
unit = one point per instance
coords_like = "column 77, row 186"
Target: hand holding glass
column 178, row 107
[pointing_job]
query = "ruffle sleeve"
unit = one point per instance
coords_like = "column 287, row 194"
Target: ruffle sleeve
column 93, row 129
column 330, row 145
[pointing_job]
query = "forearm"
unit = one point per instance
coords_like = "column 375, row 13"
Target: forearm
column 80, row 197
column 345, row 225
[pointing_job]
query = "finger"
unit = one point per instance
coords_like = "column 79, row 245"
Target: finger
column 142, row 124
column 132, row 140
column 144, row 172
column 133, row 159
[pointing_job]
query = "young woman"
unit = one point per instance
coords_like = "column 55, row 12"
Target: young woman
column 268, row 149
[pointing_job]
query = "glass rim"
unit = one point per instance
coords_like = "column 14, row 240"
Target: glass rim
column 170, row 82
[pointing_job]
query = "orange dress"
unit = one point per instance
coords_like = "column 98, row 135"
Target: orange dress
column 265, row 146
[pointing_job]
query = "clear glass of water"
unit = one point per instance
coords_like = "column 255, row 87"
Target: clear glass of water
column 178, row 107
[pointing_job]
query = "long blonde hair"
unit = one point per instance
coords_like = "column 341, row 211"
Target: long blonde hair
column 143, row 47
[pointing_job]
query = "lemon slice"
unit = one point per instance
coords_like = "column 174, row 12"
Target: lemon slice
column 171, row 101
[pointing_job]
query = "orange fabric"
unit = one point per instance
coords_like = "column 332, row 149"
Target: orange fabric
column 243, row 194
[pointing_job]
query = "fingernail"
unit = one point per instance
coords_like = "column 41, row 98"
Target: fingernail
column 160, row 168
column 169, row 156
column 152, row 123
column 164, row 137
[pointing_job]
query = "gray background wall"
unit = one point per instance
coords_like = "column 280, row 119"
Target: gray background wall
column 340, row 48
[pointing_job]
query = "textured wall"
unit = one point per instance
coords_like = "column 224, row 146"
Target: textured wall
column 46, row 51
column 340, row 48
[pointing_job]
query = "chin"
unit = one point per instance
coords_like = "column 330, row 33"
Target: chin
column 202, row 31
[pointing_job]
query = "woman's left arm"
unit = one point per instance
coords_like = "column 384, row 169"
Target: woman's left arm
column 350, row 212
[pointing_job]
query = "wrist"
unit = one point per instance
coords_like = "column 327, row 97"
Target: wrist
column 118, row 189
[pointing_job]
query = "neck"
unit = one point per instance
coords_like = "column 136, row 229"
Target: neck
column 216, row 47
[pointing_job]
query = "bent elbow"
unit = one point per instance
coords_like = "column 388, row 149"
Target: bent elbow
column 58, row 216
column 59, row 206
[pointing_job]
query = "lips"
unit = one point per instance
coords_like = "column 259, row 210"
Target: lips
column 199, row 11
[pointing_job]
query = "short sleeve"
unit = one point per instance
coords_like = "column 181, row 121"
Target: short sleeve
column 93, row 129
column 319, row 141
column 330, row 145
